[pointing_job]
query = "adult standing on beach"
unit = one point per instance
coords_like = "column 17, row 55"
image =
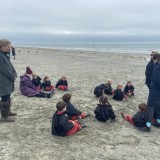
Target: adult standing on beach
column 149, row 70
column 13, row 52
column 154, row 96
column 7, row 78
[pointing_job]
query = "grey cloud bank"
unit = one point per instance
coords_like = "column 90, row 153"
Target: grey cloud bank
column 81, row 21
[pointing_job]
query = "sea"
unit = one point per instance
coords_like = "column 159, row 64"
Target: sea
column 136, row 48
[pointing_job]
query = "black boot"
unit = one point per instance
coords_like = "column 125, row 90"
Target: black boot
column 4, row 112
column 9, row 111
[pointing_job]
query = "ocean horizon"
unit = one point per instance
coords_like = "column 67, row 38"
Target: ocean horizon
column 136, row 48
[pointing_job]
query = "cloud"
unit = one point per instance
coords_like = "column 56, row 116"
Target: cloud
column 80, row 20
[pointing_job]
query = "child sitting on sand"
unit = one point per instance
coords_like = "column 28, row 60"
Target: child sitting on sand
column 109, row 90
column 36, row 81
column 61, row 126
column 104, row 110
column 118, row 94
column 129, row 89
column 140, row 118
column 98, row 91
column 72, row 112
column 62, row 84
column 28, row 89
column 46, row 84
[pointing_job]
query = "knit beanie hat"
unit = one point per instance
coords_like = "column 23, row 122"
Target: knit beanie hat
column 28, row 70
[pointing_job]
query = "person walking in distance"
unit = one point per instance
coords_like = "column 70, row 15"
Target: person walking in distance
column 7, row 78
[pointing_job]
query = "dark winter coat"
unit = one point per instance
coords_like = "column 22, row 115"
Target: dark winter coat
column 108, row 89
column 104, row 112
column 60, row 124
column 154, row 94
column 36, row 81
column 128, row 88
column 62, row 82
column 45, row 84
column 7, row 75
column 149, row 72
column 118, row 95
column 98, row 91
column 140, row 119
column 72, row 111
column 26, row 86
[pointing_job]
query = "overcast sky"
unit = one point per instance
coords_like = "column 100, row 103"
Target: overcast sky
column 80, row 21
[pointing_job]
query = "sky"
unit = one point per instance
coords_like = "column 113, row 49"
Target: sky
column 80, row 21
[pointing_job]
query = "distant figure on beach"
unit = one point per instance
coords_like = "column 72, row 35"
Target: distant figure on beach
column 72, row 112
column 62, row 84
column 7, row 78
column 98, row 91
column 61, row 125
column 28, row 89
column 118, row 93
column 154, row 97
column 108, row 89
column 129, row 89
column 140, row 118
column 13, row 52
column 149, row 69
column 36, row 81
column 46, row 84
column 104, row 111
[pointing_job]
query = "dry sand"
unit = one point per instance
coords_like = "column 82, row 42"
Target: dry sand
column 29, row 137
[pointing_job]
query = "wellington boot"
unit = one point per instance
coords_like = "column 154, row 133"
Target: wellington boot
column 7, row 119
column 12, row 113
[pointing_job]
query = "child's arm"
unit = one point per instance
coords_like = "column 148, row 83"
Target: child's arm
column 71, row 110
column 57, row 84
column 67, row 125
column 113, row 116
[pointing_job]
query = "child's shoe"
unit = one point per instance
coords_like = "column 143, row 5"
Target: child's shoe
column 87, row 115
column 156, row 124
column 145, row 129
column 123, row 115
column 83, row 125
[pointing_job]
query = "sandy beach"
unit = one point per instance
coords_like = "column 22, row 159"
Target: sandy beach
column 29, row 137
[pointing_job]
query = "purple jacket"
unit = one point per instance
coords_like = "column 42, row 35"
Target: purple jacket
column 26, row 86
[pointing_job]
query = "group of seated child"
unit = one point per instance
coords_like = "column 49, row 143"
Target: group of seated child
column 104, row 111
column 67, row 120
column 62, row 83
column 118, row 94
column 31, row 86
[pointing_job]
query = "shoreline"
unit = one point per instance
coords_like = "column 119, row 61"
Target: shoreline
column 77, row 51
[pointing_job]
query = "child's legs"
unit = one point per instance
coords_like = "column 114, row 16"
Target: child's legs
column 83, row 115
column 76, row 128
column 51, row 87
column 47, row 89
column 129, row 119
column 62, row 87
column 38, row 88
column 41, row 95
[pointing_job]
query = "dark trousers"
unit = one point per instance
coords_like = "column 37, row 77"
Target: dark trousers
column 5, row 98
column 153, row 110
column 5, row 105
column 41, row 95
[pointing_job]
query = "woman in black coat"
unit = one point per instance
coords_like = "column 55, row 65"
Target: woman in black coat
column 7, row 78
column 154, row 97
column 149, row 70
